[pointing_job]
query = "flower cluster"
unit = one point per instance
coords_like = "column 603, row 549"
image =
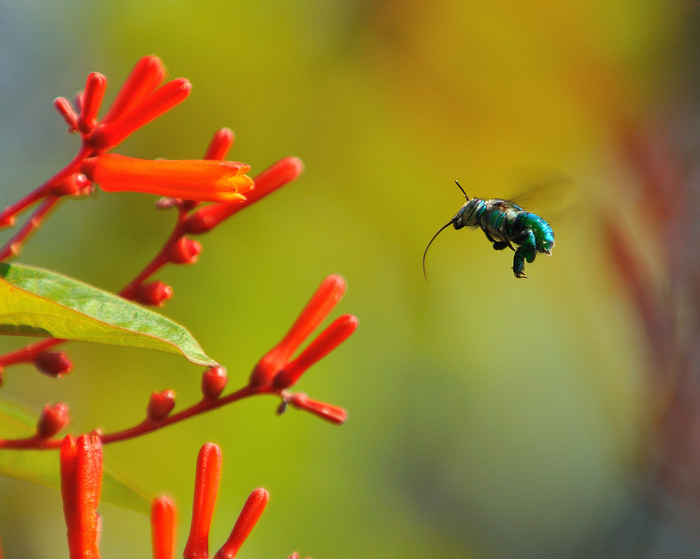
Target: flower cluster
column 183, row 185
column 81, row 481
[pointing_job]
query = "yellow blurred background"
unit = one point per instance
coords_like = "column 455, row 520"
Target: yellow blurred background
column 489, row 416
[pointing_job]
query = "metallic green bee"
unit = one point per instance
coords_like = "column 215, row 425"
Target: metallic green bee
column 505, row 224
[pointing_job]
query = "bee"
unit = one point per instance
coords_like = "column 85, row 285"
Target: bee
column 506, row 225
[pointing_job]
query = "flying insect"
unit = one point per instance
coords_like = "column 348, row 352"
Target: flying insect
column 506, row 225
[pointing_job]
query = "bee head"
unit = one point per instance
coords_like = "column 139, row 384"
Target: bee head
column 466, row 216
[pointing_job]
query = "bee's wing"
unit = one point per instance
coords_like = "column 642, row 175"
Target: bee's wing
column 549, row 197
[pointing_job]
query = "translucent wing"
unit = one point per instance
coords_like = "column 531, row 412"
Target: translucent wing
column 549, row 197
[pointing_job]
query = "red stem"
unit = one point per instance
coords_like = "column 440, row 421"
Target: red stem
column 73, row 167
column 146, row 426
column 12, row 247
column 27, row 353
column 156, row 263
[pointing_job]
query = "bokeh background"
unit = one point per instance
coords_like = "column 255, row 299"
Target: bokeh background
column 489, row 417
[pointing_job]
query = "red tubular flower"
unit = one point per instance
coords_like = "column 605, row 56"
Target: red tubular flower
column 92, row 99
column 327, row 341
column 252, row 510
column 326, row 297
column 163, row 528
column 331, row 413
column 81, row 480
column 65, row 109
column 206, row 486
column 146, row 75
column 198, row 179
column 277, row 175
column 111, row 133
column 53, row 418
column 220, row 144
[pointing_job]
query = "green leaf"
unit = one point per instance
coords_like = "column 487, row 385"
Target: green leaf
column 36, row 302
column 42, row 466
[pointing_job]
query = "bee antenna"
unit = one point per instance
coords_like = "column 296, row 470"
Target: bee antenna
column 425, row 275
column 460, row 187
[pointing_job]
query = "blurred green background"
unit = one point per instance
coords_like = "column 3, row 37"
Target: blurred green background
column 488, row 416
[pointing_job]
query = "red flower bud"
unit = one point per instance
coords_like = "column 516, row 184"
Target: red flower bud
column 65, row 109
column 53, row 418
column 53, row 363
column 221, row 142
column 206, row 485
column 247, row 519
column 111, row 133
column 153, row 293
column 277, row 175
column 92, row 99
column 184, row 251
column 214, row 381
column 328, row 412
column 321, row 303
column 160, row 405
column 327, row 341
column 163, row 528
column 81, row 480
column 146, row 75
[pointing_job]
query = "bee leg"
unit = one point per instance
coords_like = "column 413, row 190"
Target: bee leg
column 519, row 266
column 525, row 252
column 497, row 245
